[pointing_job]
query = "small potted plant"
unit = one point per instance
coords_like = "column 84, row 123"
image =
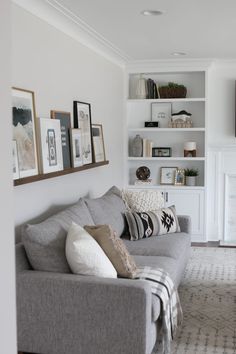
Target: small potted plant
column 172, row 90
column 191, row 175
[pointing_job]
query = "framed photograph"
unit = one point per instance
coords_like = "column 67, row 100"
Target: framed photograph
column 64, row 118
column 168, row 175
column 161, row 152
column 16, row 172
column 98, row 143
column 24, row 133
column 180, row 177
column 49, row 132
column 76, row 147
column 161, row 112
column 82, row 120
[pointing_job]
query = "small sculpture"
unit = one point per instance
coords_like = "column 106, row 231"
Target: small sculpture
column 143, row 173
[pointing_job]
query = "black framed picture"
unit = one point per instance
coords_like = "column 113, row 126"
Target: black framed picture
column 82, row 121
column 64, row 118
column 161, row 152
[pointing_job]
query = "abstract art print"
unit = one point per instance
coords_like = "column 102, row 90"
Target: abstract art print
column 82, row 120
column 98, row 143
column 23, row 120
column 49, row 131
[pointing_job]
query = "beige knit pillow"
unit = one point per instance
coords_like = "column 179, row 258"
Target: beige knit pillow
column 142, row 201
column 114, row 248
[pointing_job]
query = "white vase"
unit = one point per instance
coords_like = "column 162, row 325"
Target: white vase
column 190, row 180
column 141, row 89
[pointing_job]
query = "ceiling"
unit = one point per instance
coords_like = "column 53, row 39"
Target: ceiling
column 200, row 28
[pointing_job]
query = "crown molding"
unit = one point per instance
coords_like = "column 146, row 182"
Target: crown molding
column 163, row 65
column 65, row 21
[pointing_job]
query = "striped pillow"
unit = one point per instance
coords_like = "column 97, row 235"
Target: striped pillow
column 158, row 222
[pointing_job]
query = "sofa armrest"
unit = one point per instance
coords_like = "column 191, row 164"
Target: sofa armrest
column 66, row 313
column 185, row 223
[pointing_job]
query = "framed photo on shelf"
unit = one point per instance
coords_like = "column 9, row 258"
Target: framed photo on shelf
column 82, row 120
column 161, row 113
column 24, row 132
column 76, row 147
column 49, row 132
column 168, row 175
column 180, row 177
column 16, row 172
column 64, row 118
column 161, row 152
column 98, row 143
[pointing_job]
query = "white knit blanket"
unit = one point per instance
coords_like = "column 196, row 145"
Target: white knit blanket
column 171, row 312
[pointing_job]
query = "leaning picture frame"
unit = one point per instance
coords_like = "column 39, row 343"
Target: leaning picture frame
column 82, row 120
column 24, row 131
column 98, row 143
column 76, row 147
column 180, row 177
column 161, row 113
column 168, row 175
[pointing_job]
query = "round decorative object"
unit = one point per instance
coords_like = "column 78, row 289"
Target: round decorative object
column 143, row 173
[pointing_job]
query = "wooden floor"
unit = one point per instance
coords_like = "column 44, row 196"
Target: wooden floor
column 210, row 244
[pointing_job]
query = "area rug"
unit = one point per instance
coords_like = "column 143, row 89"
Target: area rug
column 208, row 298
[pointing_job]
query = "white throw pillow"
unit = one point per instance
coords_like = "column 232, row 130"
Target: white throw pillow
column 142, row 201
column 85, row 256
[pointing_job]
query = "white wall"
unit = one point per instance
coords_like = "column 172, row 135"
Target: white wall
column 59, row 70
column 7, row 265
column 222, row 142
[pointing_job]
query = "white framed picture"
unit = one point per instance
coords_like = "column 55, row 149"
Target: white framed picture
column 16, row 172
column 76, row 147
column 98, row 143
column 24, row 132
column 161, row 113
column 168, row 175
column 49, row 131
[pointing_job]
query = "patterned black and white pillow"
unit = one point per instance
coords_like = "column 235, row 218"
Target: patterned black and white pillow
column 158, row 222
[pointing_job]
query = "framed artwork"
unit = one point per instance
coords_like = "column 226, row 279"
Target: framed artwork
column 168, row 175
column 180, row 177
column 98, row 143
column 16, row 172
column 161, row 112
column 24, row 133
column 64, row 118
column 82, row 120
column 161, row 152
column 49, row 131
column 76, row 147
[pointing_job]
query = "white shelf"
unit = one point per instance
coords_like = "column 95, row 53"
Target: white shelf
column 166, row 158
column 166, row 130
column 161, row 186
column 163, row 100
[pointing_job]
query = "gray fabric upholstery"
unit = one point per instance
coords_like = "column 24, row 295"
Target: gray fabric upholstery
column 109, row 209
column 171, row 245
column 185, row 223
column 22, row 262
column 66, row 313
column 45, row 242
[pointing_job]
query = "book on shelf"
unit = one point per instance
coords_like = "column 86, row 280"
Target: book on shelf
column 152, row 90
column 147, row 147
column 147, row 182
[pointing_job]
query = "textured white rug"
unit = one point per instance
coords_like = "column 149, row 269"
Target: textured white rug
column 208, row 298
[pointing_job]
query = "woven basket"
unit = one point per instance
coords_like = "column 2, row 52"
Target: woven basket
column 172, row 92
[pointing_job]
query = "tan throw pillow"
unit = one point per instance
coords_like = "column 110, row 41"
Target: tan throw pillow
column 114, row 248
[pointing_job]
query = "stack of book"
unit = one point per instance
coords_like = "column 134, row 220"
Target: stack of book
column 146, row 182
column 147, row 148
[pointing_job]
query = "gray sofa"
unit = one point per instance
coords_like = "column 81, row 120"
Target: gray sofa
column 62, row 313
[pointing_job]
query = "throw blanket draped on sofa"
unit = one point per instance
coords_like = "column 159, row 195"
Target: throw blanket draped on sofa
column 171, row 311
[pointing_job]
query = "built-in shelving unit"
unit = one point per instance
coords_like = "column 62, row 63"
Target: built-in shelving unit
column 188, row 200
column 41, row 177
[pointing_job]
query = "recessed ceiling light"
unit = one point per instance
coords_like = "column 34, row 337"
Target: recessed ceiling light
column 151, row 13
column 178, row 54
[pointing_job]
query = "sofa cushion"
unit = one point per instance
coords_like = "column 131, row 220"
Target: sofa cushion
column 169, row 265
column 45, row 242
column 156, row 222
column 171, row 245
column 85, row 256
column 142, row 200
column 114, row 248
column 108, row 209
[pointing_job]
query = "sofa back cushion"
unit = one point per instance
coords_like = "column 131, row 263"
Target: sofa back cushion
column 109, row 209
column 45, row 242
